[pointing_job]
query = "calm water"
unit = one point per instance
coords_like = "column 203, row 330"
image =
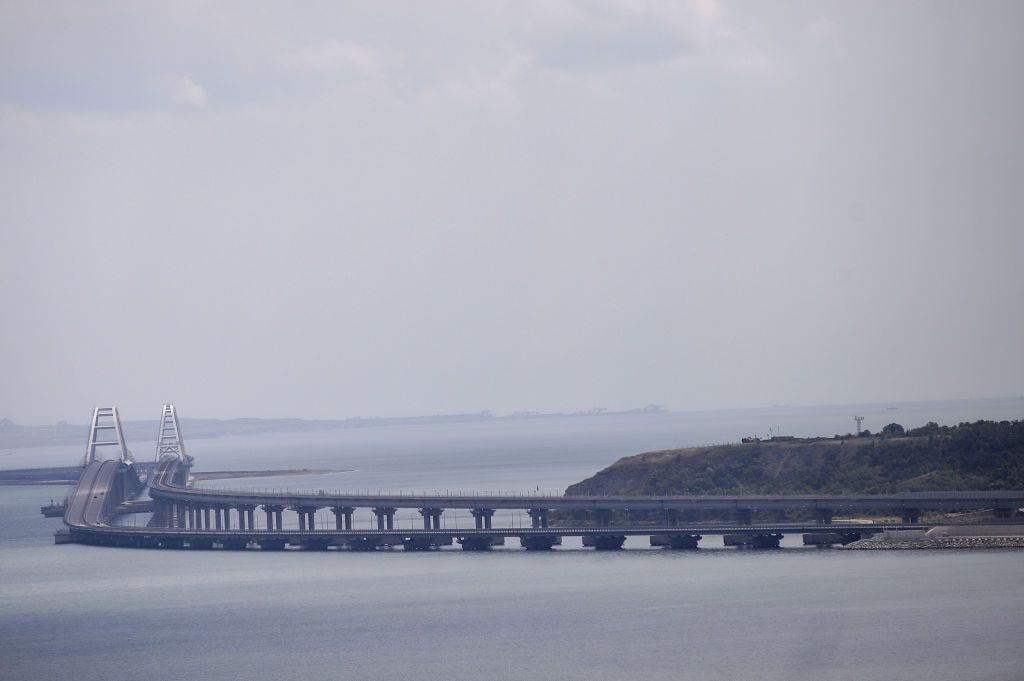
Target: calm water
column 796, row 613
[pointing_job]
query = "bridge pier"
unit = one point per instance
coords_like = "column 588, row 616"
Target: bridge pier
column 206, row 517
column 417, row 543
column 911, row 516
column 342, row 517
column 385, row 517
column 307, row 517
column 477, row 542
column 363, row 543
column 676, row 541
column 755, row 540
column 604, row 542
column 744, row 516
column 539, row 542
column 241, row 517
column 602, row 517
column 431, row 518
column 824, row 516
column 670, row 517
column 226, row 512
column 482, row 517
column 273, row 513
column 538, row 517
column 315, row 543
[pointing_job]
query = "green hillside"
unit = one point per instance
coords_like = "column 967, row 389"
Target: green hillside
column 970, row 456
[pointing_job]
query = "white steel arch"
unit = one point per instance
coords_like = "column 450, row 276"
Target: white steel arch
column 106, row 431
column 170, row 443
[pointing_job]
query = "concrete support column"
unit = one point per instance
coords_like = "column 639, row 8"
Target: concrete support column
column 670, row 516
column 251, row 513
column 241, row 517
column 342, row 517
column 206, row 517
column 217, row 517
column 603, row 516
column 385, row 517
column 226, row 510
column 311, row 523
column 482, row 517
column 278, row 517
column 744, row 516
column 538, row 517
column 302, row 519
column 431, row 518
column 269, row 511
column 824, row 516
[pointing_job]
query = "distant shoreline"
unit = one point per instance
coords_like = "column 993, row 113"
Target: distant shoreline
column 68, row 475
column 226, row 475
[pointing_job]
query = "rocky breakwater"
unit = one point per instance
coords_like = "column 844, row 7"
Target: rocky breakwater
column 938, row 543
column 946, row 537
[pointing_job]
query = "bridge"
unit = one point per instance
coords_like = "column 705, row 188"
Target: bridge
column 187, row 516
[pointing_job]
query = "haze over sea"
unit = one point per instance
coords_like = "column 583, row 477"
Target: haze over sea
column 797, row 613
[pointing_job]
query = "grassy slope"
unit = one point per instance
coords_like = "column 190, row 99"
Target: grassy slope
column 982, row 455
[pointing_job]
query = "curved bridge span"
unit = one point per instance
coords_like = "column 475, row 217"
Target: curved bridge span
column 186, row 516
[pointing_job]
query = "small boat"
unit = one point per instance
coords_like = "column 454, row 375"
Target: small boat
column 54, row 510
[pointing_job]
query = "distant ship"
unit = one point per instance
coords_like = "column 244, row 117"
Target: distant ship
column 53, row 510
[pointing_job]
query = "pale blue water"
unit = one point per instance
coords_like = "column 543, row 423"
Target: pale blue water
column 99, row 613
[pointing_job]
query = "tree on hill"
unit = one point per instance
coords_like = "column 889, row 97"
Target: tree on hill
column 893, row 430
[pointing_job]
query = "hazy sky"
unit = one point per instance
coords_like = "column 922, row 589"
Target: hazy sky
column 358, row 209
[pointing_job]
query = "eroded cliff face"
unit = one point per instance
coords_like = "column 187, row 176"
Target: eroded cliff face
column 971, row 457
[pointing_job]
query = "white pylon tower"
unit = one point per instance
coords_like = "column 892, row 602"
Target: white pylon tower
column 170, row 441
column 859, row 420
column 106, row 419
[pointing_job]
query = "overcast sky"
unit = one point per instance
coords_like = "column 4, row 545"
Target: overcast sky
column 356, row 209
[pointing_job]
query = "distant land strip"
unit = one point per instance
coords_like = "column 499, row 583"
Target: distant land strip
column 225, row 475
column 68, row 475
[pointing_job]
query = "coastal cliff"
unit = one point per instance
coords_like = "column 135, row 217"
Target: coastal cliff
column 971, row 456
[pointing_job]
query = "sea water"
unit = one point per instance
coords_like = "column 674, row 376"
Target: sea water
column 716, row 613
